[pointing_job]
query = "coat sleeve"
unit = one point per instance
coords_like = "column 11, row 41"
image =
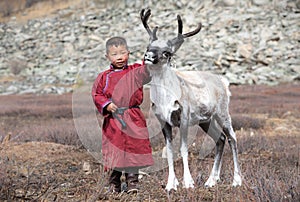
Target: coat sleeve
column 142, row 74
column 101, row 101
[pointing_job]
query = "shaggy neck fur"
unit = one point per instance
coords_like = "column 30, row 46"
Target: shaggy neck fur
column 165, row 91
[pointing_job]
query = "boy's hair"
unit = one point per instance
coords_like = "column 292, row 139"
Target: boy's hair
column 116, row 41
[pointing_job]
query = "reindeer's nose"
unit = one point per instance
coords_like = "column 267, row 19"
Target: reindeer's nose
column 150, row 57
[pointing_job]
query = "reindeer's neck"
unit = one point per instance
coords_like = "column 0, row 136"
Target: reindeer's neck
column 165, row 90
column 165, row 77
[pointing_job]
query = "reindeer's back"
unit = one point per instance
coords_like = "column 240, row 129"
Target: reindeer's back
column 206, row 88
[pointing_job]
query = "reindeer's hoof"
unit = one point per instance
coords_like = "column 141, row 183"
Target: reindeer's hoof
column 237, row 181
column 212, row 181
column 188, row 183
column 172, row 186
column 209, row 185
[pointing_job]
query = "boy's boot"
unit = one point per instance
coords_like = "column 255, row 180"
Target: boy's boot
column 114, row 181
column 123, row 182
column 132, row 182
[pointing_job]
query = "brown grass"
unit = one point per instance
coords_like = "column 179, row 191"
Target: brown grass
column 266, row 120
column 38, row 118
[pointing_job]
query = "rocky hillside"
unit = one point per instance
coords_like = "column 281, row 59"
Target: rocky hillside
column 250, row 42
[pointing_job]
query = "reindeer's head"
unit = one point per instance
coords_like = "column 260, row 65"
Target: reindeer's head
column 161, row 51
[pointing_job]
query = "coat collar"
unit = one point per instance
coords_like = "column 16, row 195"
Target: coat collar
column 113, row 68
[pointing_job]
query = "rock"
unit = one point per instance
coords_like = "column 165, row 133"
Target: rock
column 245, row 50
column 229, row 2
column 12, row 90
column 296, row 68
column 22, row 38
column 260, row 2
column 29, row 91
column 70, row 38
column 298, row 4
column 237, row 39
column 20, row 193
column 233, row 78
column 86, row 167
column 6, row 139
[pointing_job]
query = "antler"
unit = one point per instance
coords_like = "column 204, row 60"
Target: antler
column 177, row 41
column 192, row 33
column 144, row 17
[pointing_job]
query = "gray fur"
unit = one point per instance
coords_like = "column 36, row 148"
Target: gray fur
column 186, row 98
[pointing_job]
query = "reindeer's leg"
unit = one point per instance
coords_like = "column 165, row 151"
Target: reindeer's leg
column 172, row 180
column 216, row 134
column 215, row 173
column 228, row 130
column 188, row 181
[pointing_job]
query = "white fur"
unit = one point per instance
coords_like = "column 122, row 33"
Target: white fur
column 202, row 96
column 187, row 98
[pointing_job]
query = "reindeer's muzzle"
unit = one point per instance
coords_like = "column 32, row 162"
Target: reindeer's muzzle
column 151, row 57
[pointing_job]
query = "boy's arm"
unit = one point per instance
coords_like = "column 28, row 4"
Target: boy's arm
column 100, row 99
column 142, row 73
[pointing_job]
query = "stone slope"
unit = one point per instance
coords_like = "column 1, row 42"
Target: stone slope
column 249, row 43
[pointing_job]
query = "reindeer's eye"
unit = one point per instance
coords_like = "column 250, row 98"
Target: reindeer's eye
column 166, row 54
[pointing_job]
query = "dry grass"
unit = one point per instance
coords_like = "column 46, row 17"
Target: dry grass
column 49, row 166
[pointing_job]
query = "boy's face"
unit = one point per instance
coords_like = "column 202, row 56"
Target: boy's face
column 118, row 56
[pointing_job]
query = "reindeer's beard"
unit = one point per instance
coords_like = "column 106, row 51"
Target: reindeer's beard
column 157, row 68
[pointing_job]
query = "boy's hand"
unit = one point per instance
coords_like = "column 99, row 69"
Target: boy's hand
column 112, row 107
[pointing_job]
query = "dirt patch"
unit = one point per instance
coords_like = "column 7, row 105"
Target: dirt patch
column 24, row 10
column 44, row 160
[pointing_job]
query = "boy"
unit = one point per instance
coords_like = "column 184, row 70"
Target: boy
column 117, row 94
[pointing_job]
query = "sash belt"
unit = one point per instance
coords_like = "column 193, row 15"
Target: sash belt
column 120, row 111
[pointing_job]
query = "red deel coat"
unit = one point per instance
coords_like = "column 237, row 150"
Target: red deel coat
column 129, row 147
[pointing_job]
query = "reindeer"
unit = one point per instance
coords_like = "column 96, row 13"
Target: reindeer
column 186, row 98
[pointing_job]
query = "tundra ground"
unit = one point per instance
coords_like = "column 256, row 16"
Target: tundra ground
column 44, row 160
